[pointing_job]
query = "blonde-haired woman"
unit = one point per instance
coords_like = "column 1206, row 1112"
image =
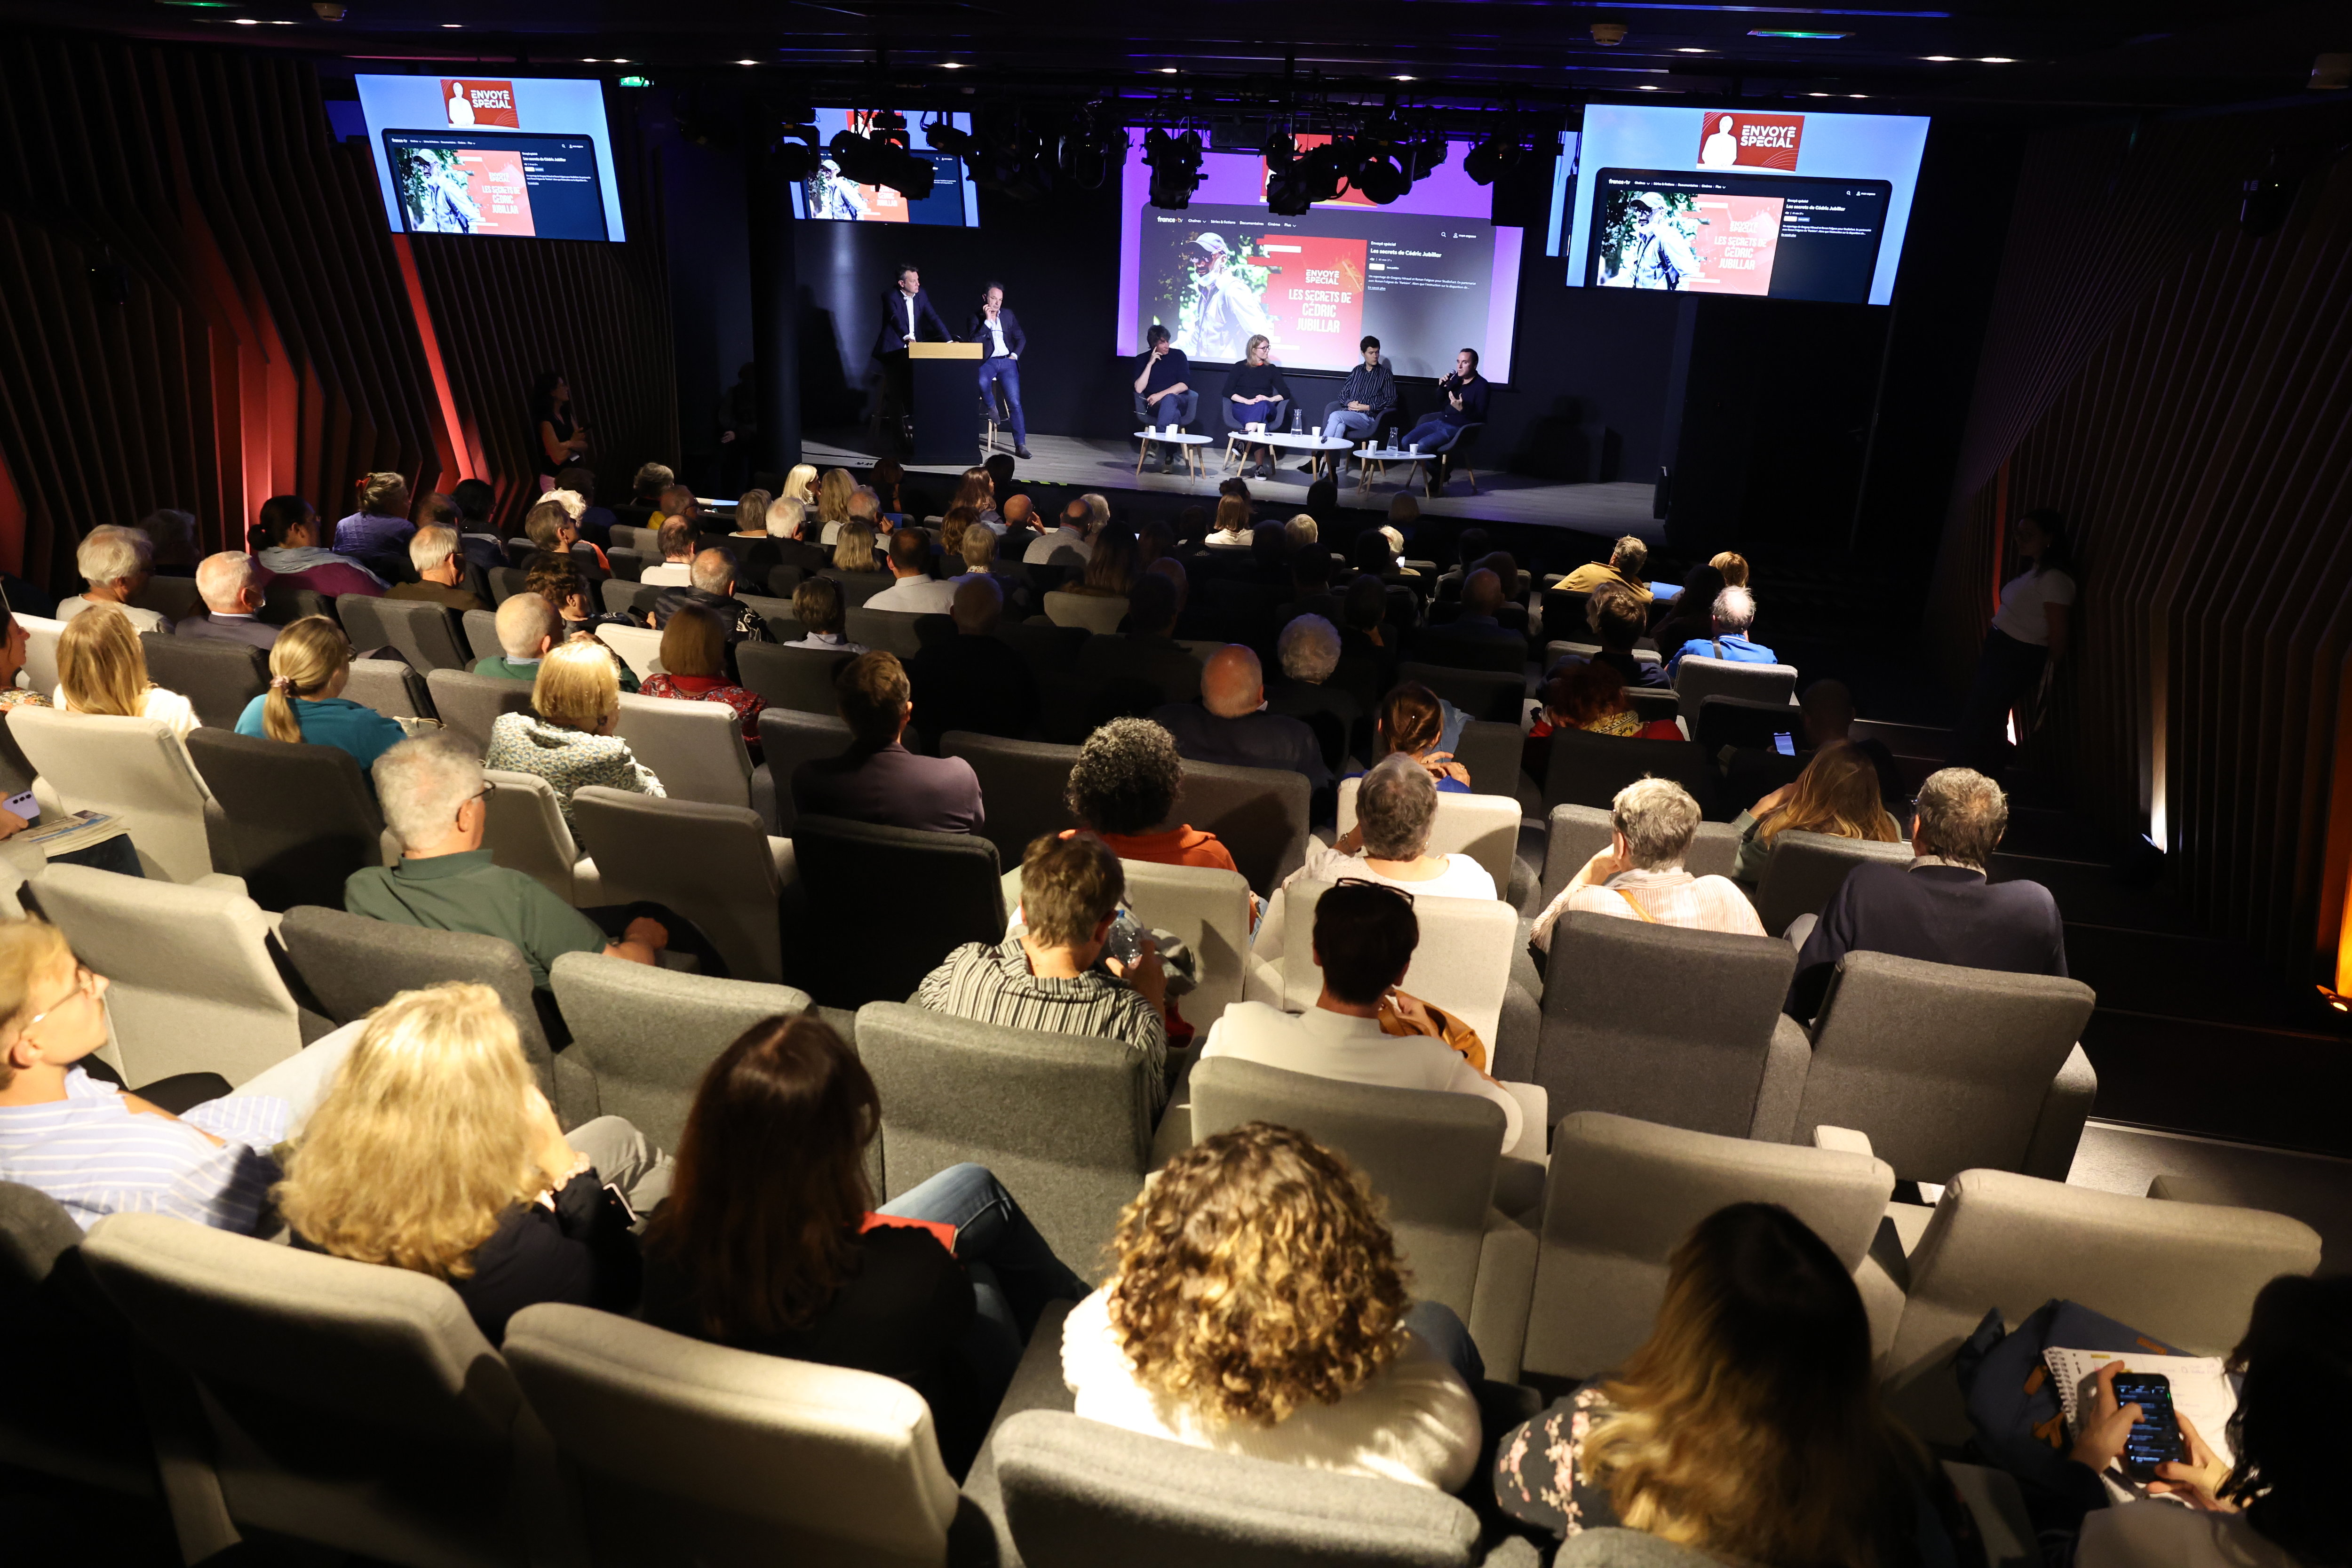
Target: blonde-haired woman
column 1747, row 1426
column 1256, row 393
column 567, row 738
column 800, row 484
column 853, row 549
column 309, row 665
column 1836, row 794
column 435, row 1152
column 1259, row 1309
column 833, row 495
column 381, row 525
column 102, row 669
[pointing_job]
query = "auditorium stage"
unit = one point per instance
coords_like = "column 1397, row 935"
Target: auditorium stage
column 1601, row 509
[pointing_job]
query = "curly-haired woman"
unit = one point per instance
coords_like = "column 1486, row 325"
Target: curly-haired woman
column 1259, row 1309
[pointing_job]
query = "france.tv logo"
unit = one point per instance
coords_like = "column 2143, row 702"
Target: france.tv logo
column 1751, row 141
column 472, row 103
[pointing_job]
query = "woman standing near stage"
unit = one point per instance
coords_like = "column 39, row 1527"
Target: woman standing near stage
column 2028, row 634
column 558, row 440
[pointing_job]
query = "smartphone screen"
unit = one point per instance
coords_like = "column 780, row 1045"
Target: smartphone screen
column 2156, row 1437
column 1785, row 744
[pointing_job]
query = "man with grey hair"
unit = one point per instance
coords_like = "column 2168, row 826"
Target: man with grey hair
column 1230, row 723
column 528, row 627
column 1733, row 612
column 436, row 800
column 230, row 583
column 711, row 584
column 116, row 563
column 1640, row 876
column 1308, row 648
column 1098, row 512
column 1941, row 907
column 440, row 571
column 793, row 531
column 866, row 506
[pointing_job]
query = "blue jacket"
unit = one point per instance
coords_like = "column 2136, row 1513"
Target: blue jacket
column 890, row 335
column 1015, row 340
column 1735, row 648
column 363, row 731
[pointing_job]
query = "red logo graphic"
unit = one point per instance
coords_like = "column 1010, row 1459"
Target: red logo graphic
column 480, row 104
column 1751, row 140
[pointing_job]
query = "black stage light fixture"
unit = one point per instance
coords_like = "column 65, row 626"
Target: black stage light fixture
column 1493, row 158
column 1379, row 177
column 881, row 157
column 941, row 136
column 1091, row 149
column 1175, row 165
column 1287, row 192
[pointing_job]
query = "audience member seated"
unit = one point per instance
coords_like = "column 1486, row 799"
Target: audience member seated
column 435, row 1152
column 100, row 1151
column 528, row 627
column 172, row 536
column 1640, row 876
column 976, row 490
column 1836, row 794
column 1475, row 638
column 1940, row 907
column 309, row 667
column 1053, row 975
column 854, row 553
column 1585, row 694
column 1254, row 1227
column 678, row 501
column 694, row 665
column 792, row 529
column 230, row 586
column 1365, row 934
column 887, row 480
column 1412, row 722
column 1363, row 631
column 1070, row 545
column 116, row 563
column 1230, row 723
column 974, row 681
column 755, row 554
column 102, row 668
column 595, row 521
column 1112, row 566
column 979, row 554
column 712, row 586
column 2281, row 1504
column 915, row 592
column 676, row 568
column 567, row 738
column 1627, row 562
column 1734, row 567
column 1396, row 811
column 1231, row 529
column 440, row 571
column 1618, row 620
column 1145, row 666
column 475, row 499
column 285, row 544
column 1691, row 613
column 877, row 780
column 1747, row 1426
column 817, row 605
column 1308, row 648
column 1019, row 515
column 1828, row 718
column 379, row 526
column 1310, row 583
column 771, row 1240
column 832, row 494
column 646, row 485
column 555, row 532
column 1125, row 783
column 1734, row 612
column 432, row 791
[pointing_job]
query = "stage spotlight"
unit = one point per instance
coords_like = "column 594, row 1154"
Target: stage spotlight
column 1091, row 149
column 1492, row 158
column 1175, row 165
column 881, row 158
column 941, row 136
column 1379, row 179
column 1287, row 193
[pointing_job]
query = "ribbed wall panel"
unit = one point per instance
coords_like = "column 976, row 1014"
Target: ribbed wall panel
column 2183, row 392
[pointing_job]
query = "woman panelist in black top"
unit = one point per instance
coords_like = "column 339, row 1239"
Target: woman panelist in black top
column 1255, row 390
column 557, row 440
column 769, row 1241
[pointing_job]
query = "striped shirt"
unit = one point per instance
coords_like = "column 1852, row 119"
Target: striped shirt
column 98, row 1157
column 993, row 985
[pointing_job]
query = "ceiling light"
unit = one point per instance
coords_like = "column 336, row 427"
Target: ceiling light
column 1690, row 51
column 247, row 22
column 1646, row 87
column 1167, row 71
column 1400, row 79
column 1857, row 95
column 747, row 62
column 1817, row 95
column 1940, row 59
column 1791, row 33
column 1995, row 60
column 453, row 23
column 592, row 62
column 950, row 65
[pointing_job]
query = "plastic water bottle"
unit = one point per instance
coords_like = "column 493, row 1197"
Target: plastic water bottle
column 1297, row 421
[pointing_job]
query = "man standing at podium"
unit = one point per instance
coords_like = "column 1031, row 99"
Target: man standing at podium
column 905, row 311
column 998, row 332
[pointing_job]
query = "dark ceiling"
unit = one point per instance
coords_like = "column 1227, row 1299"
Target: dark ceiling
column 2035, row 56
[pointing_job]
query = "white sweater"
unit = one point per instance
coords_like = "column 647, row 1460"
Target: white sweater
column 1416, row 1422
column 2155, row 1534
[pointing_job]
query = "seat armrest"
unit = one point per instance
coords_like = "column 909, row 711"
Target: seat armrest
column 1535, row 1121
column 1786, row 1061
column 2058, row 1130
column 1844, row 1140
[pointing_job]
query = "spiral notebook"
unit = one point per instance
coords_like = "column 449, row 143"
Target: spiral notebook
column 2202, row 1391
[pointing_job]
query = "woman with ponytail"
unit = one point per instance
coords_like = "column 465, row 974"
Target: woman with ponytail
column 309, row 665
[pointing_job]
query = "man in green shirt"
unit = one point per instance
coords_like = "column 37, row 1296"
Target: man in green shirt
column 528, row 627
column 433, row 791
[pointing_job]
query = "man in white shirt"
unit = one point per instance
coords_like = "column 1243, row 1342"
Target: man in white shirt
column 915, row 593
column 116, row 563
column 1364, row 936
column 1068, row 545
column 676, row 568
column 1640, row 876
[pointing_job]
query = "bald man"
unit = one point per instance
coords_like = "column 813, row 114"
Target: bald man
column 1230, row 723
column 711, row 583
column 973, row 680
column 230, row 585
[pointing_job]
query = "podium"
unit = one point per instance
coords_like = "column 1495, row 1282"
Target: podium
column 946, row 400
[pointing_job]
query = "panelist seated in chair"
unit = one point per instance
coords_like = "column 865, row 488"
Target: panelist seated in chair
column 1733, row 612
column 771, row 1241
column 1259, row 1225
column 877, row 780
column 1941, row 907
column 435, row 1151
column 98, row 1150
column 1361, row 1029
column 1640, row 876
column 435, row 800
column 1748, row 1427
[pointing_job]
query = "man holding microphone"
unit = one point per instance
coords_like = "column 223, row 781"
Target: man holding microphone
column 1467, row 395
column 998, row 332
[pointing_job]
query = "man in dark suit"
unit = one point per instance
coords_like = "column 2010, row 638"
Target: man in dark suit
column 998, row 332
column 907, row 312
column 230, row 585
column 972, row 682
column 1940, row 907
column 1476, row 638
column 1230, row 725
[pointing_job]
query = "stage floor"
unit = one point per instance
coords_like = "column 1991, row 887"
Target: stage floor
column 1603, row 509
